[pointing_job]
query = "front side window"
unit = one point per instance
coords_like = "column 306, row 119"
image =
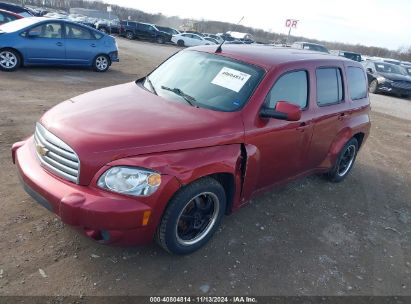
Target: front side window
column 357, row 85
column 77, row 32
column 329, row 86
column 206, row 80
column 291, row 87
column 47, row 30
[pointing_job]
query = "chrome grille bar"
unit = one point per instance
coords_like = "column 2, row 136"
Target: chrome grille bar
column 55, row 155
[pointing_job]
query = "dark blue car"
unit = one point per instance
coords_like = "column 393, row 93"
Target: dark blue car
column 45, row 41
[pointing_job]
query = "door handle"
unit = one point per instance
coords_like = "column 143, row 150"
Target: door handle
column 59, row 44
column 303, row 125
column 92, row 45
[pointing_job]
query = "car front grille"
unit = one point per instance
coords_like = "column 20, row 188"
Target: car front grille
column 402, row 85
column 55, row 155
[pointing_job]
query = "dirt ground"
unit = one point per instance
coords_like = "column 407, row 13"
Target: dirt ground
column 308, row 238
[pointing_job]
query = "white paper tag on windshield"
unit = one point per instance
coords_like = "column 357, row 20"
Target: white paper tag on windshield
column 231, row 79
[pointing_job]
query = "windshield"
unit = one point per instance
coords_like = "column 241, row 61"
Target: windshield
column 206, row 80
column 389, row 68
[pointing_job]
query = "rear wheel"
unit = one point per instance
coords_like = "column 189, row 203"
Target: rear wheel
column 180, row 42
column 345, row 161
column 192, row 216
column 129, row 35
column 101, row 63
column 373, row 86
column 9, row 60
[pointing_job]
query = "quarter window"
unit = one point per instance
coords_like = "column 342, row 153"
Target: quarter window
column 291, row 87
column 47, row 30
column 329, row 86
column 357, row 86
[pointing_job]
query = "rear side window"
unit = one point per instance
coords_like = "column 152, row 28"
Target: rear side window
column 291, row 87
column 329, row 86
column 77, row 32
column 357, row 85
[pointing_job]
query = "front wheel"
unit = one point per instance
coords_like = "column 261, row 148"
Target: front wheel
column 160, row 40
column 101, row 63
column 345, row 161
column 180, row 42
column 9, row 60
column 192, row 216
column 373, row 86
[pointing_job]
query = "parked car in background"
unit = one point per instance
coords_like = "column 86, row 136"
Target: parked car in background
column 216, row 37
column 45, row 41
column 17, row 9
column 211, row 40
column 388, row 78
column 146, row 31
column 108, row 26
column 310, row 46
column 6, row 16
column 346, row 54
column 169, row 30
column 188, row 39
column 233, row 124
column 392, row 61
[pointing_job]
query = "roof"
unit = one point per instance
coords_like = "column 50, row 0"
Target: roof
column 269, row 56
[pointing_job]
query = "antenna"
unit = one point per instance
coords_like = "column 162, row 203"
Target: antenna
column 218, row 50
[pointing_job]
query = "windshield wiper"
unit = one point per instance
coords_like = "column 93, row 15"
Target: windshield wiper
column 153, row 89
column 190, row 99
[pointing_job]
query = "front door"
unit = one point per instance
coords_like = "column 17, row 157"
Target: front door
column 45, row 44
column 282, row 145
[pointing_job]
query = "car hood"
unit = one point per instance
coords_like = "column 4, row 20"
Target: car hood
column 127, row 120
column 394, row 77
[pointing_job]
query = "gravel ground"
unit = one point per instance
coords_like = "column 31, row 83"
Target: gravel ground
column 307, row 238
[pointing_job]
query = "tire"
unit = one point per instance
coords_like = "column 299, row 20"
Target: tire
column 129, row 35
column 373, row 86
column 9, row 60
column 345, row 161
column 101, row 63
column 188, row 223
column 160, row 40
column 180, row 42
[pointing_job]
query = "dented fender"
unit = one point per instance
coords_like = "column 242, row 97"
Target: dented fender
column 191, row 164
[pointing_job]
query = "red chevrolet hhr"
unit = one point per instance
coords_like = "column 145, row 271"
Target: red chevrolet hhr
column 166, row 156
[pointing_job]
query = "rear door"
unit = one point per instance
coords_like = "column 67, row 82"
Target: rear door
column 81, row 45
column 330, row 114
column 44, row 44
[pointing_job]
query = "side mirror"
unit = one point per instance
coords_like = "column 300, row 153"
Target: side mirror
column 369, row 70
column 283, row 110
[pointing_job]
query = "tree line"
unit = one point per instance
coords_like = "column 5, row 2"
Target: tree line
column 124, row 13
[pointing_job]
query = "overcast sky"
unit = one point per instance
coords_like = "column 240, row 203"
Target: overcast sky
column 385, row 23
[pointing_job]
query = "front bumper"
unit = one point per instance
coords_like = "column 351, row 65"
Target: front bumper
column 393, row 89
column 104, row 216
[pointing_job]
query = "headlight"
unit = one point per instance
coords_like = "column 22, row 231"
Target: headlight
column 130, row 180
column 383, row 80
